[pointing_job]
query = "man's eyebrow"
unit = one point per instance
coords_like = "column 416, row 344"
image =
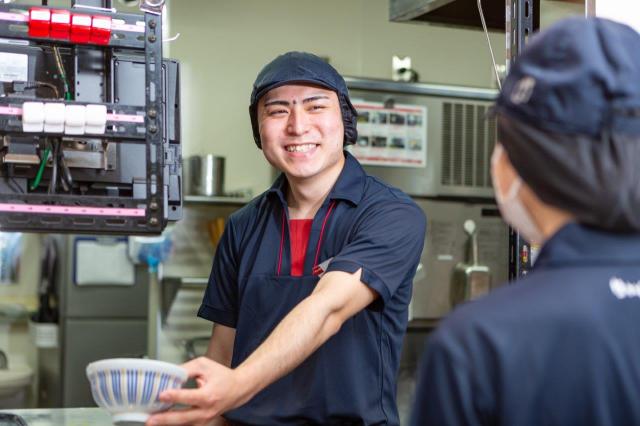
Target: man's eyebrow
column 314, row 98
column 287, row 103
column 276, row 102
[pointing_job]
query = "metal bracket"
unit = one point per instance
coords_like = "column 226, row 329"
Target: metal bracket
column 519, row 25
column 152, row 6
column 154, row 122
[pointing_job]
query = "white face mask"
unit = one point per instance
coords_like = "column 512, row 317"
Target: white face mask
column 511, row 207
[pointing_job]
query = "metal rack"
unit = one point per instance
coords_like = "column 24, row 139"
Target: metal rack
column 131, row 124
column 519, row 20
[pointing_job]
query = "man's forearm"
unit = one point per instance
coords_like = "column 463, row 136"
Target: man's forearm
column 311, row 323
column 220, row 347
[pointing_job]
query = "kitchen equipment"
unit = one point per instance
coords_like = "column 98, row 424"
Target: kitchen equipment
column 11, row 420
column 458, row 13
column 452, row 146
column 101, row 321
column 446, row 244
column 470, row 280
column 204, row 175
column 129, row 387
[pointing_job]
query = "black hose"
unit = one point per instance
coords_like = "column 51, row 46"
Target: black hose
column 54, row 170
column 66, row 173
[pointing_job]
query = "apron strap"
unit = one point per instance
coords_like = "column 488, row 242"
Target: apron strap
column 281, row 242
column 324, row 222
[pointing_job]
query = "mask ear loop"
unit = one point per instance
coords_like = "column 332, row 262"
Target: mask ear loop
column 515, row 186
column 513, row 189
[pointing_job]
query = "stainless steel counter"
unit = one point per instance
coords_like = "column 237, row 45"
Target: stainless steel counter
column 64, row 417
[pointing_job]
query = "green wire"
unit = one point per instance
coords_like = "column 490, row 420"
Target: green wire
column 36, row 181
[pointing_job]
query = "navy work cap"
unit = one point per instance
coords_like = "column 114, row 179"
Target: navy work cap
column 302, row 67
column 580, row 76
column 568, row 118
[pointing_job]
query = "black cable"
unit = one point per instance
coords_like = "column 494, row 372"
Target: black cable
column 20, row 190
column 13, row 185
column 54, row 170
column 11, row 181
column 66, row 172
column 37, row 84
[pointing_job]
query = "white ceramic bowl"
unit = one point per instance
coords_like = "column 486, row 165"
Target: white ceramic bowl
column 129, row 387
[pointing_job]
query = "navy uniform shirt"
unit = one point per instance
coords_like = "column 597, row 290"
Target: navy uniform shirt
column 559, row 347
column 363, row 224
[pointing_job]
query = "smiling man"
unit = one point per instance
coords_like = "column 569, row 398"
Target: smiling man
column 311, row 281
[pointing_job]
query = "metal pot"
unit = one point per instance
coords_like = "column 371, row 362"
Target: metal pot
column 204, row 175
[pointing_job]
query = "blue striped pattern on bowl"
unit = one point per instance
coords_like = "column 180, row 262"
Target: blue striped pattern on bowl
column 130, row 387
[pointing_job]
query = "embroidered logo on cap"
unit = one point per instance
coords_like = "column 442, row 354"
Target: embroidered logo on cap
column 623, row 289
column 523, row 90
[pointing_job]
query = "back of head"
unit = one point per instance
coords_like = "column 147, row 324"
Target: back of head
column 569, row 119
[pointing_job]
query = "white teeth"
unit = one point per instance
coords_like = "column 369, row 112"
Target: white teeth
column 300, row 148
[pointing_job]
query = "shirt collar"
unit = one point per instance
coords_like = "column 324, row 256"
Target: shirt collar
column 349, row 186
column 582, row 245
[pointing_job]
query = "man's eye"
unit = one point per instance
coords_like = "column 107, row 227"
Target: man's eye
column 277, row 112
column 317, row 107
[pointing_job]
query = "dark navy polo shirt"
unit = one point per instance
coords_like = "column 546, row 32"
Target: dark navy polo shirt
column 351, row 379
column 559, row 347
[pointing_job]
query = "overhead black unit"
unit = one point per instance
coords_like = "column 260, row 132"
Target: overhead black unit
column 460, row 13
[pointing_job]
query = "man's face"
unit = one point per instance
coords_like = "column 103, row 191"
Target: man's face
column 301, row 130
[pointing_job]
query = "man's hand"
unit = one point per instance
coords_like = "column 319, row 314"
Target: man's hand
column 337, row 297
column 219, row 389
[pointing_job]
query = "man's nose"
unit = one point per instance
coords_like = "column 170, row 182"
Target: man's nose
column 298, row 121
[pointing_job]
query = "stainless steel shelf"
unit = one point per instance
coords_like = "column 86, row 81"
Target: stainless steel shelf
column 201, row 199
column 194, row 281
column 379, row 85
column 187, row 281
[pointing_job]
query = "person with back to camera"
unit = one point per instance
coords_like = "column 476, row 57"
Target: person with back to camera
column 311, row 281
column 559, row 346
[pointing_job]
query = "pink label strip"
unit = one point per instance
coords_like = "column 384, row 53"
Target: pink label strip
column 125, row 118
column 71, row 210
column 4, row 110
column 16, row 17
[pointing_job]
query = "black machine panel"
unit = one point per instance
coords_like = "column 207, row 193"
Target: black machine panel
column 124, row 178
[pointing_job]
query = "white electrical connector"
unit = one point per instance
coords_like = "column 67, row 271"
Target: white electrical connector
column 54, row 118
column 61, row 118
column 32, row 117
column 96, row 119
column 74, row 120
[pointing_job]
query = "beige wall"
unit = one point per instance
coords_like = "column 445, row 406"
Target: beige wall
column 224, row 43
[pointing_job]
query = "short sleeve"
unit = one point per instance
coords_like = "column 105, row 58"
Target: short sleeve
column 387, row 243
column 220, row 303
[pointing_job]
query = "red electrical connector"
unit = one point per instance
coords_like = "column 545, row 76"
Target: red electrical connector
column 60, row 24
column 39, row 22
column 101, row 29
column 80, row 28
